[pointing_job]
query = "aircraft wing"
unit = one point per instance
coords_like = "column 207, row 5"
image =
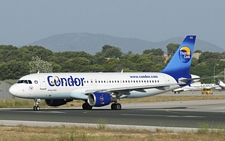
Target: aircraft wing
column 133, row 88
column 178, row 90
column 195, row 78
column 186, row 88
column 208, row 87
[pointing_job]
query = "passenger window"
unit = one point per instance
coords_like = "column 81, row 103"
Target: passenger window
column 29, row 81
column 19, row 81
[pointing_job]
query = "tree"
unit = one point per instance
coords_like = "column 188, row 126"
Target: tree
column 111, row 65
column 171, row 48
column 56, row 67
column 13, row 69
column 98, row 58
column 7, row 52
column 111, row 51
column 198, row 51
column 194, row 62
column 96, row 68
column 38, row 65
column 156, row 52
column 145, row 63
column 205, row 56
column 77, row 64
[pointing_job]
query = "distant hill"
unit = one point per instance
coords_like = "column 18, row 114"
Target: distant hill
column 92, row 43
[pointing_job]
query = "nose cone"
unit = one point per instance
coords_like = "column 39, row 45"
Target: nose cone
column 13, row 90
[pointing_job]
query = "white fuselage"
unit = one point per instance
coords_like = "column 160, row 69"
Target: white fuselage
column 77, row 85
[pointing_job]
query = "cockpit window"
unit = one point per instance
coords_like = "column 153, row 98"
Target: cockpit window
column 25, row 81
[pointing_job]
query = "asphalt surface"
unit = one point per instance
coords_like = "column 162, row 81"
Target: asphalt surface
column 182, row 114
column 143, row 117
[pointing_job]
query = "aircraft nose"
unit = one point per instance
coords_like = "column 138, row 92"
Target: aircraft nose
column 13, row 90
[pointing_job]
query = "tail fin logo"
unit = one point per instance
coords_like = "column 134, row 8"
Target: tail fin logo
column 185, row 54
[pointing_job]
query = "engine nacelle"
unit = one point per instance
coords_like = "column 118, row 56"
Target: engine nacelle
column 99, row 99
column 57, row 102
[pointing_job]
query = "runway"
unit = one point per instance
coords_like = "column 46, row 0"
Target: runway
column 182, row 114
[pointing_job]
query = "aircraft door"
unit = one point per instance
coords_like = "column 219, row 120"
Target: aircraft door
column 167, row 79
column 42, row 83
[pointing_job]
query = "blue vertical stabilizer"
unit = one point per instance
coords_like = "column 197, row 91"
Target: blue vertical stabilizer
column 179, row 65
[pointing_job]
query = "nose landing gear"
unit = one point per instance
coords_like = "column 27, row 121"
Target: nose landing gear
column 36, row 106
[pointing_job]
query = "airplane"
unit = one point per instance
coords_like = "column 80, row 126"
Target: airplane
column 101, row 89
column 220, row 83
column 196, row 86
column 191, row 87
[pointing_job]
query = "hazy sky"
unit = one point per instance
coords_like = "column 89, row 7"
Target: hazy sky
column 26, row 21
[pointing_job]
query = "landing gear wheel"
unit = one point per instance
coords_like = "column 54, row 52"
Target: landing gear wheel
column 113, row 106
column 86, row 106
column 116, row 106
column 36, row 107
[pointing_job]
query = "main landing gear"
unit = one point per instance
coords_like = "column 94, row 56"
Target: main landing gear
column 36, row 107
column 86, row 106
column 116, row 106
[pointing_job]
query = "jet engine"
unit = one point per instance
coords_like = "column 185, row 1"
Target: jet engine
column 99, row 99
column 57, row 102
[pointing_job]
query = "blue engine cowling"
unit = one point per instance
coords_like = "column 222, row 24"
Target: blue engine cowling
column 99, row 99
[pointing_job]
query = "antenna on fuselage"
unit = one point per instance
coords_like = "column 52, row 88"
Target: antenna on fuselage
column 38, row 72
